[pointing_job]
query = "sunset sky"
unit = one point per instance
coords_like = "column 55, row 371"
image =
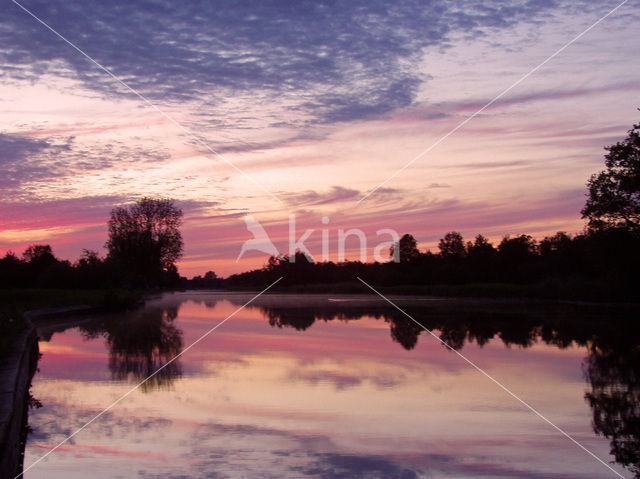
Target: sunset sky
column 316, row 102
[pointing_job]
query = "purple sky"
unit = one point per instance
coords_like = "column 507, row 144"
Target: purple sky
column 318, row 103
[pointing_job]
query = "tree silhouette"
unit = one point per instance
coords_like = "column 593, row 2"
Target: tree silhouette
column 404, row 331
column 407, row 249
column 480, row 257
column 89, row 258
column 517, row 249
column 39, row 253
column 452, row 245
column 481, row 247
column 140, row 344
column 145, row 239
column 614, row 193
column 613, row 373
column 557, row 244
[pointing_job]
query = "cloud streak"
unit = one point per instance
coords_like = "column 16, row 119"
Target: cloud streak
column 340, row 62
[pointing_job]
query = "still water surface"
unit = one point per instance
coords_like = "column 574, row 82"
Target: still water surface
column 336, row 387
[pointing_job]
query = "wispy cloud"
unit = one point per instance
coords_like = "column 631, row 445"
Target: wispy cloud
column 29, row 159
column 341, row 61
column 313, row 198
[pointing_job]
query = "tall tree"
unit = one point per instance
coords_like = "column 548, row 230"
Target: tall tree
column 452, row 245
column 39, row 258
column 145, row 238
column 614, row 193
column 481, row 247
column 612, row 372
column 406, row 249
column 39, row 253
column 518, row 249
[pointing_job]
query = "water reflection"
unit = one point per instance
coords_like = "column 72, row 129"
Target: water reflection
column 611, row 337
column 139, row 344
column 458, row 323
column 613, row 371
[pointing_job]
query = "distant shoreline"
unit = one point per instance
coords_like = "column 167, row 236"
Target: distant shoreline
column 550, row 291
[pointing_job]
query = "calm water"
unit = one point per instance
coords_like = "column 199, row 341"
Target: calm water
column 333, row 387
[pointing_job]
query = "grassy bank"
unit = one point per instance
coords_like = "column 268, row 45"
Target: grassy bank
column 30, row 299
column 13, row 303
column 11, row 325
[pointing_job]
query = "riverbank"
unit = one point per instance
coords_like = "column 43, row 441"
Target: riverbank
column 32, row 299
column 19, row 352
column 548, row 291
column 17, row 367
column 14, row 304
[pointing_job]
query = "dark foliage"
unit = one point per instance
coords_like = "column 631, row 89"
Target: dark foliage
column 145, row 240
column 604, row 260
column 142, row 346
column 406, row 250
column 90, row 272
column 39, row 268
column 614, row 375
column 209, row 281
column 614, row 193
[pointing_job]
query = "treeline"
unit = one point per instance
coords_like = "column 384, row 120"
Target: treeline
column 209, row 281
column 596, row 265
column 143, row 245
column 37, row 267
column 603, row 263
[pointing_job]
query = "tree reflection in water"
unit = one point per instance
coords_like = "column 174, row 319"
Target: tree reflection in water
column 611, row 337
column 145, row 340
column 613, row 371
column 141, row 343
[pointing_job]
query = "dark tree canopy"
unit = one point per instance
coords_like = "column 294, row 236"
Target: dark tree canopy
column 556, row 244
column 452, row 245
column 614, row 398
column 39, row 253
column 518, row 248
column 481, row 247
column 145, row 238
column 407, row 249
column 614, row 193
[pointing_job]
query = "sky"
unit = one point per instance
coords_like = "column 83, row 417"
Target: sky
column 273, row 109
